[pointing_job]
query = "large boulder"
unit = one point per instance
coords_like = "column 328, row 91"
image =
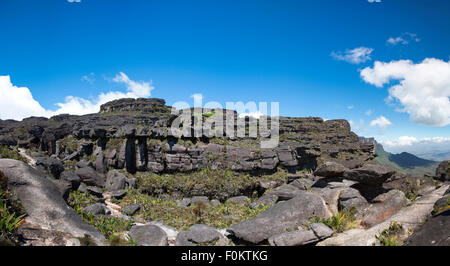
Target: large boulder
column 148, row 235
column 443, row 171
column 72, row 178
column 434, row 232
column 280, row 218
column 50, row 165
column 115, row 181
column 317, row 232
column 351, row 197
column 383, row 207
column 90, row 177
column 330, row 169
column 43, row 201
column 370, row 174
column 197, row 234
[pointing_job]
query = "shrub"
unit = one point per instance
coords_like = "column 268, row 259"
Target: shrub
column 341, row 221
column 219, row 184
column 11, row 214
column 6, row 152
column 166, row 210
column 390, row 236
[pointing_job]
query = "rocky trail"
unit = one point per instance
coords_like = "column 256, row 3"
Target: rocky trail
column 409, row 217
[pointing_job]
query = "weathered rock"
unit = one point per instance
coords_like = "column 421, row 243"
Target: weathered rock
column 53, row 166
column 370, row 174
column 434, row 232
column 82, row 189
column 265, row 200
column 443, row 171
column 330, row 196
column 302, row 183
column 197, row 234
column 90, row 177
column 442, row 204
column 351, row 197
column 243, row 200
column 95, row 191
column 72, row 178
column 131, row 209
column 330, row 169
column 84, row 164
column 100, row 163
column 95, row 209
column 43, row 202
column 280, row 218
column 64, row 187
column 118, row 194
column 285, row 192
column 383, row 207
column 115, row 181
column 148, row 235
column 321, row 230
column 294, row 238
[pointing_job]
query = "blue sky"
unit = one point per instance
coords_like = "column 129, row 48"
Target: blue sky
column 298, row 53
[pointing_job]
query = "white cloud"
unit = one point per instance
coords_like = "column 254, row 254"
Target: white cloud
column 350, row 107
column 18, row 103
column 354, row 56
column 381, row 122
column 404, row 39
column 256, row 114
column 423, row 89
column 74, row 1
column 368, row 112
column 421, row 147
column 374, row 1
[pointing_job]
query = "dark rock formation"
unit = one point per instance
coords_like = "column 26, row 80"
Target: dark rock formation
column 280, row 218
column 135, row 134
column 148, row 235
column 43, row 201
column 443, row 171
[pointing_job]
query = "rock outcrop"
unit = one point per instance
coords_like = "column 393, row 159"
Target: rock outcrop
column 43, row 202
column 135, row 134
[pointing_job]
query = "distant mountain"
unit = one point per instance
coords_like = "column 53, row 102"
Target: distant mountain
column 435, row 155
column 403, row 162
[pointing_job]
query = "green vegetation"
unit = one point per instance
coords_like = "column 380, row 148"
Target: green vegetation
column 69, row 144
column 181, row 218
column 109, row 226
column 6, row 152
column 390, row 236
column 115, row 144
column 219, row 184
column 11, row 214
column 341, row 221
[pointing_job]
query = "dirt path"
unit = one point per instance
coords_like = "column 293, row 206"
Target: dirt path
column 31, row 160
column 409, row 217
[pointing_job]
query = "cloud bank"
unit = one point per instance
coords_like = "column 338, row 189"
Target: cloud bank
column 422, row 89
column 18, row 102
column 417, row 146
